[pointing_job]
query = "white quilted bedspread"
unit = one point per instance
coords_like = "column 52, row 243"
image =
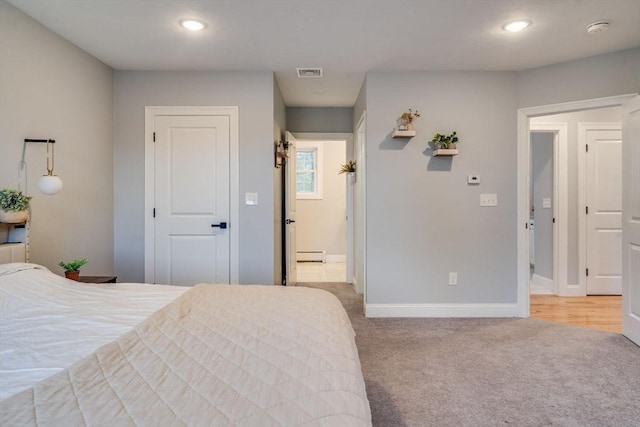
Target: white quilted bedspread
column 219, row 355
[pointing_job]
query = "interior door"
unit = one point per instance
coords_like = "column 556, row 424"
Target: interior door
column 604, row 215
column 192, row 199
column 290, row 213
column 631, row 221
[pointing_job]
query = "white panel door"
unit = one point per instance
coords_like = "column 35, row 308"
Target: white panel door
column 191, row 199
column 631, row 221
column 604, row 217
column 290, row 195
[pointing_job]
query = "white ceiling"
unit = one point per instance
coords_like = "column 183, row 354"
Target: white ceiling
column 345, row 37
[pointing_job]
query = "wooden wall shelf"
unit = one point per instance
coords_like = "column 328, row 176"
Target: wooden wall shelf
column 403, row 133
column 446, row 152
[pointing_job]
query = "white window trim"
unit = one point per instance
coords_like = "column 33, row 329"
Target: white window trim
column 316, row 146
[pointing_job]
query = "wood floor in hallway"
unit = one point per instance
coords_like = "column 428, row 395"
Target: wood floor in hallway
column 603, row 313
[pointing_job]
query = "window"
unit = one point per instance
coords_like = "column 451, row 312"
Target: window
column 309, row 170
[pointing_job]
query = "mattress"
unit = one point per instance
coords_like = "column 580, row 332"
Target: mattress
column 216, row 355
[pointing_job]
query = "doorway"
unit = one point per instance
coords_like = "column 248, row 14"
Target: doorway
column 600, row 110
column 321, row 207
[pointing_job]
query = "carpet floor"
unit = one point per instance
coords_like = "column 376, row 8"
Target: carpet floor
column 492, row 372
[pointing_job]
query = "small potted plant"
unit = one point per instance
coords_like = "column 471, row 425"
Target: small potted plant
column 348, row 167
column 407, row 118
column 14, row 206
column 445, row 141
column 72, row 268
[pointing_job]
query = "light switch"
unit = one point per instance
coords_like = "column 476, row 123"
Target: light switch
column 251, row 199
column 546, row 202
column 488, row 200
column 473, row 179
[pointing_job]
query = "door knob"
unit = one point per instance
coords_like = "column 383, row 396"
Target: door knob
column 289, row 221
column 222, row 225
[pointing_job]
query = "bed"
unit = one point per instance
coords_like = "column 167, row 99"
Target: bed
column 154, row 355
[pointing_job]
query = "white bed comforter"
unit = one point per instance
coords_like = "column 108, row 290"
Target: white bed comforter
column 216, row 356
column 48, row 322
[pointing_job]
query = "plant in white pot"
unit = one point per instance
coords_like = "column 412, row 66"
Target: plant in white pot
column 14, row 206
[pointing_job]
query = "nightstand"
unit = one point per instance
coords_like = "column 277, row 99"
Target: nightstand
column 97, row 279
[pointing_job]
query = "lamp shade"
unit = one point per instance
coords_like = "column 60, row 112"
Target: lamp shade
column 50, row 184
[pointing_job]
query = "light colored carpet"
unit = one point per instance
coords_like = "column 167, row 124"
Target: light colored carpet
column 492, row 372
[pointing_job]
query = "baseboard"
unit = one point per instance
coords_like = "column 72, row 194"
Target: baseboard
column 541, row 285
column 442, row 310
column 336, row 258
column 572, row 291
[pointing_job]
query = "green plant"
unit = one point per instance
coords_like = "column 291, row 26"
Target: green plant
column 73, row 265
column 13, row 200
column 350, row 166
column 445, row 140
column 409, row 116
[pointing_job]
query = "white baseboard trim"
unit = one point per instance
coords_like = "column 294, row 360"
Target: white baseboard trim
column 572, row 291
column 541, row 285
column 336, row 258
column 442, row 310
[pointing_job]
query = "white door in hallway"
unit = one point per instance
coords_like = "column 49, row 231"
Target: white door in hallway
column 631, row 221
column 604, row 215
column 290, row 195
column 192, row 199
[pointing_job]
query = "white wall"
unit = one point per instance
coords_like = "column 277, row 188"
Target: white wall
column 253, row 93
column 423, row 219
column 50, row 88
column 321, row 223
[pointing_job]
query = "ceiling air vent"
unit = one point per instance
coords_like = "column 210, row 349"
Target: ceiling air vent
column 309, row 72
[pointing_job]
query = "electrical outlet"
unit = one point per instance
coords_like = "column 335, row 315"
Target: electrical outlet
column 453, row 279
column 488, row 200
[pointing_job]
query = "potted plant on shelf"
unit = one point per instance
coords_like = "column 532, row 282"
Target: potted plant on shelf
column 407, row 118
column 72, row 268
column 14, row 206
column 348, row 167
column 445, row 141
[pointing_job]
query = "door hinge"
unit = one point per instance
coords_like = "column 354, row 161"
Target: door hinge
column 586, row 147
column 526, row 225
column 586, row 210
column 154, row 212
column 554, row 220
column 154, row 137
column 587, row 272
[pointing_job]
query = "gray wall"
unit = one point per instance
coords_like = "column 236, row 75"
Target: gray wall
column 599, row 76
column 542, row 181
column 50, row 88
column 424, row 220
column 253, row 93
column 279, row 127
column 320, row 119
column 613, row 114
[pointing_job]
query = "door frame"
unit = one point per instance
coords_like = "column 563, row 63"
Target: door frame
column 360, row 215
column 560, row 201
column 150, row 113
column 583, row 128
column 523, row 177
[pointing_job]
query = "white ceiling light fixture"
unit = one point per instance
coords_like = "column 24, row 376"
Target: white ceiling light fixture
column 597, row 27
column 193, row 24
column 516, row 26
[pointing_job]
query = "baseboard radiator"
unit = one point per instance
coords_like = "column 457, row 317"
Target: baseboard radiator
column 312, row 256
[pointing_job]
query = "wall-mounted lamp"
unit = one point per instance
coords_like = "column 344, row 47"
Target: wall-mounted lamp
column 49, row 183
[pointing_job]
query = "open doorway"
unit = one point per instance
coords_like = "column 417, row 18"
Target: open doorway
column 321, row 207
column 564, row 256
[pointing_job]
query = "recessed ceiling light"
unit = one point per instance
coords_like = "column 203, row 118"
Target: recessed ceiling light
column 193, row 25
column 515, row 26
